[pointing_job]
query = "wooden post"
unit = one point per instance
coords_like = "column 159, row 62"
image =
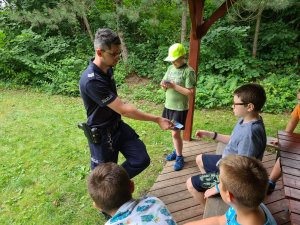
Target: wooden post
column 198, row 30
column 196, row 12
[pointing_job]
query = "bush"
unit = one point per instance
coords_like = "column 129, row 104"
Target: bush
column 29, row 59
column 217, row 91
column 65, row 78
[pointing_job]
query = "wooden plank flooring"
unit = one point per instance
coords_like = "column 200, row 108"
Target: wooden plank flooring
column 170, row 186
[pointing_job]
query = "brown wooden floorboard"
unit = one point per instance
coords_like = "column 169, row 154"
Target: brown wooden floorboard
column 170, row 186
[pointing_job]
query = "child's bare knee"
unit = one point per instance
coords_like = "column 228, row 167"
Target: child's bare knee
column 199, row 160
column 176, row 134
column 189, row 185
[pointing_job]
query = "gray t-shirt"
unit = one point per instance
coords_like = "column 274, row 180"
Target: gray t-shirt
column 248, row 139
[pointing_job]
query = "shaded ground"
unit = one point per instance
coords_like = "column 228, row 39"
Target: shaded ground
column 133, row 79
column 140, row 83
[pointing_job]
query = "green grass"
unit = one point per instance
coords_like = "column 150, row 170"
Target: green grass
column 45, row 157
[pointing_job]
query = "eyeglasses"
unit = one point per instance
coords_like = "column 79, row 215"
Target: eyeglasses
column 113, row 54
column 240, row 103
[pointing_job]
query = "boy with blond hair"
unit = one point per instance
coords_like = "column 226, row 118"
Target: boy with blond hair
column 111, row 190
column 243, row 186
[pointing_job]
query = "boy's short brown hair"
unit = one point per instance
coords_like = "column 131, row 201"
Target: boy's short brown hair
column 245, row 178
column 252, row 93
column 109, row 186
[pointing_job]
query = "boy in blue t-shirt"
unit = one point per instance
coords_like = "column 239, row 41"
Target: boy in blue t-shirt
column 248, row 138
column 243, row 186
column 111, row 190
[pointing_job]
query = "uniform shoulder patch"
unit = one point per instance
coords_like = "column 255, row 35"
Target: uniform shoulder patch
column 91, row 75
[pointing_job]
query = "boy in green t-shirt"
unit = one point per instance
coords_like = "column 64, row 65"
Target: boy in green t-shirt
column 178, row 82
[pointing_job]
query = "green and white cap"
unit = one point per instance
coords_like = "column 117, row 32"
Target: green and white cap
column 175, row 51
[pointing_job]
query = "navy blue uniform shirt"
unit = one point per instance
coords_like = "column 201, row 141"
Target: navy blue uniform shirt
column 97, row 90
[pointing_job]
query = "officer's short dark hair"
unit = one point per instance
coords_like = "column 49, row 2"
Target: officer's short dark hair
column 109, row 186
column 252, row 93
column 104, row 38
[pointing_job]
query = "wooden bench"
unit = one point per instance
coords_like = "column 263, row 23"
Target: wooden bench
column 215, row 206
column 289, row 145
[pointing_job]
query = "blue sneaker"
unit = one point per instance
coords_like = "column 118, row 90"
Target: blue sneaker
column 171, row 156
column 179, row 163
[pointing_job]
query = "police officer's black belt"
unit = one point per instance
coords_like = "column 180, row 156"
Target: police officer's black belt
column 94, row 134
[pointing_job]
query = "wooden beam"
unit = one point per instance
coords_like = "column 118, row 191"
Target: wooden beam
column 198, row 30
column 192, row 8
column 220, row 12
column 196, row 12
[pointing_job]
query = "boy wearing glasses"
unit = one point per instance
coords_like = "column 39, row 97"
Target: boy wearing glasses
column 248, row 138
column 107, row 133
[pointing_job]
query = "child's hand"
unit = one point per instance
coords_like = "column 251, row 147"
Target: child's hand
column 170, row 84
column 210, row 192
column 200, row 134
column 167, row 84
column 163, row 85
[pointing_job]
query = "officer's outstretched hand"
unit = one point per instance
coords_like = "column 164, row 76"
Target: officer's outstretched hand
column 165, row 124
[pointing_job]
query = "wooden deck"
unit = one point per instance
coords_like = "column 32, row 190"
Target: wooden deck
column 170, row 186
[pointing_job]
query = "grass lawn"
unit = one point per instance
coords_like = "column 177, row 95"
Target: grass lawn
column 45, row 157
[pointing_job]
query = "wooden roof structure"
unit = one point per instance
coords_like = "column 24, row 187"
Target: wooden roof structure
column 198, row 30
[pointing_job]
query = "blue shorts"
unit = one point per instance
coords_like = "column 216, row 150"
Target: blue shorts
column 210, row 162
column 202, row 182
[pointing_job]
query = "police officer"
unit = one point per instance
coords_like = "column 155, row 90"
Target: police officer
column 104, row 110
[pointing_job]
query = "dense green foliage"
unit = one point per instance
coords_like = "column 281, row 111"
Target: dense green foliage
column 46, row 45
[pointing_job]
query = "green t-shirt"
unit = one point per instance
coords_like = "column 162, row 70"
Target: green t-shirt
column 183, row 76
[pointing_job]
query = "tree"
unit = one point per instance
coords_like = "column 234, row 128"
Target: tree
column 122, row 16
column 52, row 14
column 259, row 7
column 183, row 20
column 255, row 8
